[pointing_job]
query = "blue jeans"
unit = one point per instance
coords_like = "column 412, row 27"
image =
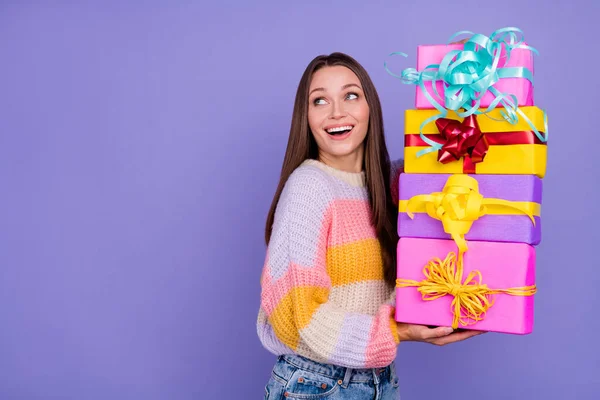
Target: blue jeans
column 295, row 377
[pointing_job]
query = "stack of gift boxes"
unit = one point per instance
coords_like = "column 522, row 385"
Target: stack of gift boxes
column 471, row 191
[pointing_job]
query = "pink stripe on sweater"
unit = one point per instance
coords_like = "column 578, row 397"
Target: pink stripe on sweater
column 295, row 276
column 382, row 346
column 345, row 229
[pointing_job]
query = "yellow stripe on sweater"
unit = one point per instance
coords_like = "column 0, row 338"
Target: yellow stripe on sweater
column 355, row 262
column 294, row 312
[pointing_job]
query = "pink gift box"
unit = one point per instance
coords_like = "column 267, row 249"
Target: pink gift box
column 502, row 266
column 520, row 87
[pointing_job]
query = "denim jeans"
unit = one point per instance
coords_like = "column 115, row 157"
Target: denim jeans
column 295, row 377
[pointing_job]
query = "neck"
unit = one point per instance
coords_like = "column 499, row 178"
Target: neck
column 352, row 178
column 352, row 163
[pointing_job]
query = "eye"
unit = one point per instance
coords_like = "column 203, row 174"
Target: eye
column 351, row 96
column 319, row 101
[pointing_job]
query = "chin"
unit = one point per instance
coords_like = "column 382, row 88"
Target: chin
column 341, row 153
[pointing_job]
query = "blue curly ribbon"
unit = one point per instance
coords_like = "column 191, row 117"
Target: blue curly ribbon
column 468, row 74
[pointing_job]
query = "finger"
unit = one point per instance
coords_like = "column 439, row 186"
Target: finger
column 456, row 337
column 433, row 333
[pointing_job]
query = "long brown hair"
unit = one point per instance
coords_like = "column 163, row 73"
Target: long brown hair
column 302, row 145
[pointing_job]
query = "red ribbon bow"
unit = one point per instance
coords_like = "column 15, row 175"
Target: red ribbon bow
column 463, row 139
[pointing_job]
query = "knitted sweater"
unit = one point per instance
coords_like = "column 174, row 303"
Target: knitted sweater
column 323, row 292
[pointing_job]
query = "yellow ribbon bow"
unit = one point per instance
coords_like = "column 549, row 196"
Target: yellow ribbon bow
column 472, row 299
column 459, row 204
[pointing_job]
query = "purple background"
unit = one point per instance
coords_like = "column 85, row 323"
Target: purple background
column 140, row 147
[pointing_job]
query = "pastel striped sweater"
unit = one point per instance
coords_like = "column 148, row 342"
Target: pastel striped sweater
column 323, row 292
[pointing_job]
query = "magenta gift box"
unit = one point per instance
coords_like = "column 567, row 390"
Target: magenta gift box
column 502, row 266
column 494, row 228
column 520, row 87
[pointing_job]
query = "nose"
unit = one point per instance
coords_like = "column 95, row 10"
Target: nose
column 337, row 110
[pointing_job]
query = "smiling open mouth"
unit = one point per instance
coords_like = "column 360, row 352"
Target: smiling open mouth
column 340, row 130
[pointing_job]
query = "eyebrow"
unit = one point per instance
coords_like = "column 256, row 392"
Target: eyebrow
column 346, row 86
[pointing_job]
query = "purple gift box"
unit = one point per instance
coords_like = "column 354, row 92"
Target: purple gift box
column 509, row 226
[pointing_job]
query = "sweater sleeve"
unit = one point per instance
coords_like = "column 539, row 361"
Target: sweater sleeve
column 296, row 286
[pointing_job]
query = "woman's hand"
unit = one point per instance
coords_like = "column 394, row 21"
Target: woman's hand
column 439, row 336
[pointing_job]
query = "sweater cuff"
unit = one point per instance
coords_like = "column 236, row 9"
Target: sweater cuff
column 394, row 327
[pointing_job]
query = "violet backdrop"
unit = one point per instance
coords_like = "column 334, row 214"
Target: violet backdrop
column 140, row 148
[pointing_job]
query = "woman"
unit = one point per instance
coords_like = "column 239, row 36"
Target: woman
column 327, row 302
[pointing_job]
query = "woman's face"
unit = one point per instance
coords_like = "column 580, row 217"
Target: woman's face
column 338, row 116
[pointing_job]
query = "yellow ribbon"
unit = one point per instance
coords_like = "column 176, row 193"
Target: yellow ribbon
column 459, row 204
column 472, row 299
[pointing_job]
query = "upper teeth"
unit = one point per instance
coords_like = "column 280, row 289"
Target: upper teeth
column 340, row 128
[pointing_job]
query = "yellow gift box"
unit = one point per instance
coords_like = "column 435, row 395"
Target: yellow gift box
column 511, row 149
